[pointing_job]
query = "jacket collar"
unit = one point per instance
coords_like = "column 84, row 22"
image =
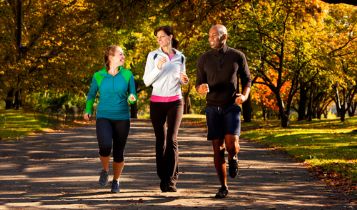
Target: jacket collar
column 221, row 50
column 175, row 50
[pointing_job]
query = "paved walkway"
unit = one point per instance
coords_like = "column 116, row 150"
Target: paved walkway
column 60, row 170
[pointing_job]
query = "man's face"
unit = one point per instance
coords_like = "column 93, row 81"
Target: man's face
column 213, row 38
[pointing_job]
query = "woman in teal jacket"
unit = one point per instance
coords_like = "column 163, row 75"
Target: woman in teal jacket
column 116, row 88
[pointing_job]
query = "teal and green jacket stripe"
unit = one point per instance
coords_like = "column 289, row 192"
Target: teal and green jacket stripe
column 113, row 94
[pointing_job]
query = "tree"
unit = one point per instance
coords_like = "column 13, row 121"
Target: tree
column 341, row 57
column 269, row 25
column 351, row 2
column 51, row 32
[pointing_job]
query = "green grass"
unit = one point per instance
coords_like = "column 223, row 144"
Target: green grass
column 15, row 124
column 327, row 145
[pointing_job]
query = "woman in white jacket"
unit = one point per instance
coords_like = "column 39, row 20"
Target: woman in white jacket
column 165, row 71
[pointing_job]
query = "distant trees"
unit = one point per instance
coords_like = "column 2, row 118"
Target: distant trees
column 302, row 54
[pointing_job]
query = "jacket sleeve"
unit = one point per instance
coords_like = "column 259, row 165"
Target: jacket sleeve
column 201, row 76
column 151, row 71
column 132, row 90
column 244, row 72
column 183, row 69
column 92, row 93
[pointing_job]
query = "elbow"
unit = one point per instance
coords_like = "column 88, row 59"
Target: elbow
column 147, row 82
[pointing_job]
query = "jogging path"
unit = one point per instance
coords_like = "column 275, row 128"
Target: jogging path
column 60, row 170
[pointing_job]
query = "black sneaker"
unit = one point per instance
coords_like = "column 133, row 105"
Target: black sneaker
column 164, row 186
column 115, row 186
column 222, row 192
column 233, row 167
column 103, row 178
column 171, row 189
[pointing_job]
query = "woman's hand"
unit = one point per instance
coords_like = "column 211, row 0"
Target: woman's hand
column 87, row 116
column 161, row 62
column 184, row 78
column 131, row 99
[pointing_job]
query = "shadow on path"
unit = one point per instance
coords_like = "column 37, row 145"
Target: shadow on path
column 60, row 170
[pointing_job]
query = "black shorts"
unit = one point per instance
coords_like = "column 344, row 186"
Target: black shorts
column 222, row 121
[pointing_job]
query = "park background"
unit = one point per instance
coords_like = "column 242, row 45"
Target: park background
column 301, row 54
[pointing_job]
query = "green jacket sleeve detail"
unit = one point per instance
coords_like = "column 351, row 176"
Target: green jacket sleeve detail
column 128, row 76
column 92, row 93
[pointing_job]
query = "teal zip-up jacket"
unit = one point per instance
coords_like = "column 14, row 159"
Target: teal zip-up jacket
column 114, row 94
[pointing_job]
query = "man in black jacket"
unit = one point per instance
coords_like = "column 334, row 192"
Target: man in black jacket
column 218, row 74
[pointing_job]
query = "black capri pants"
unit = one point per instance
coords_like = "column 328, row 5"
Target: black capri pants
column 112, row 133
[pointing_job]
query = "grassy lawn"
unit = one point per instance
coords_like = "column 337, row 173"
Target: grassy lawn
column 15, row 124
column 329, row 147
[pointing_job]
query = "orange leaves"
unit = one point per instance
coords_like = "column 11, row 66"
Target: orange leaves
column 264, row 96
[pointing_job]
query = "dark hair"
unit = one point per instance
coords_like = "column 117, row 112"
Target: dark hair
column 168, row 31
column 109, row 51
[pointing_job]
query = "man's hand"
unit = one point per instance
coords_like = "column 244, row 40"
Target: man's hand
column 87, row 116
column 240, row 98
column 203, row 88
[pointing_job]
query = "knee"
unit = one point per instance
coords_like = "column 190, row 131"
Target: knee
column 104, row 150
column 118, row 155
column 219, row 154
column 232, row 143
column 119, row 158
column 233, row 149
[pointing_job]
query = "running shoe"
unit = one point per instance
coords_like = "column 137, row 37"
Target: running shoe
column 115, row 186
column 103, row 178
column 171, row 188
column 222, row 192
column 233, row 167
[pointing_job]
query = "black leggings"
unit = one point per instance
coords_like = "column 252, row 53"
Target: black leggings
column 115, row 131
column 166, row 139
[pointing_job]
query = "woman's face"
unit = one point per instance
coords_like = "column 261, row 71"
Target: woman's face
column 118, row 57
column 163, row 39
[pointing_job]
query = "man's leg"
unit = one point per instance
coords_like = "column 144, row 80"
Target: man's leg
column 232, row 145
column 220, row 165
column 232, row 132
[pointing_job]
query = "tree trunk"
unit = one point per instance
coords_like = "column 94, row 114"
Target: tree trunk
column 284, row 115
column 352, row 109
column 302, row 104
column 343, row 108
column 337, row 100
column 309, row 107
column 9, row 99
column 247, row 110
column 343, row 113
column 18, row 101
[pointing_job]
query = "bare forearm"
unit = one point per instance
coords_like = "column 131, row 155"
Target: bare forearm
column 246, row 91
